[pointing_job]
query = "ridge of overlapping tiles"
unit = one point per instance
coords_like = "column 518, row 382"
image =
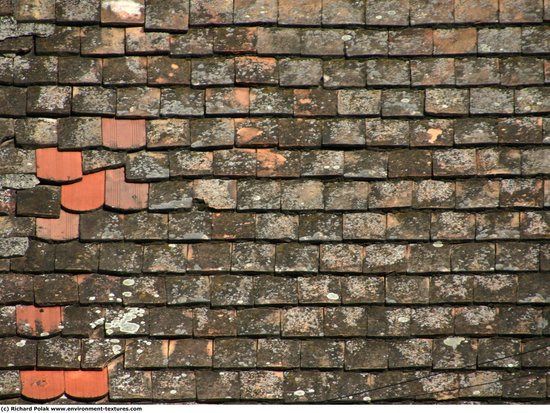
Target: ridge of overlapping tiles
column 80, row 193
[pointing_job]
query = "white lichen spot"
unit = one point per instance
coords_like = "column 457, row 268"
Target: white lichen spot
column 124, row 7
column 299, row 393
column 92, row 298
column 97, row 323
column 129, row 282
column 21, row 343
column 453, row 342
column 367, row 399
column 173, row 391
column 127, row 294
column 124, row 321
column 438, row 244
column 333, row 296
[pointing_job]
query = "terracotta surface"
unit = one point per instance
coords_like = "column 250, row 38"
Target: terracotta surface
column 42, row 384
column 86, row 384
column 85, row 195
column 54, row 165
column 120, row 194
column 123, row 133
column 38, row 321
column 302, row 201
column 58, row 229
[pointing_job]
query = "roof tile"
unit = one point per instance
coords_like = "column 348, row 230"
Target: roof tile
column 122, row 12
column 41, row 385
column 86, row 384
column 255, row 11
column 138, row 41
column 61, row 229
column 38, row 321
column 68, row 11
column 156, row 17
column 85, row 195
column 53, row 165
column 120, row 194
column 205, row 12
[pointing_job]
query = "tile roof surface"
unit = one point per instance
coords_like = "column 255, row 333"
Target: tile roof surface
column 274, row 201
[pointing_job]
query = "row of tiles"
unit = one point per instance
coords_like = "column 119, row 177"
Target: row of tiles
column 268, row 41
column 53, row 165
column 285, row 72
column 147, row 102
column 111, row 189
column 152, row 14
column 449, row 226
column 271, row 41
column 66, row 167
column 246, row 291
column 295, row 386
column 303, row 321
column 285, row 133
column 269, row 257
column 273, row 196
column 444, row 353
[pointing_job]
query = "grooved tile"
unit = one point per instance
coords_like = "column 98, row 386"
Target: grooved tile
column 120, row 194
column 123, row 133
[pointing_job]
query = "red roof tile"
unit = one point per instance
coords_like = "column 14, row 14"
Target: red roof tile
column 85, row 195
column 38, row 321
column 42, row 384
column 59, row 229
column 85, row 384
column 54, row 165
column 120, row 194
column 123, row 133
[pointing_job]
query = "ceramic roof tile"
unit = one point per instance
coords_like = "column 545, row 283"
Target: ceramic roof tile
column 120, row 194
column 86, row 384
column 85, row 195
column 41, row 385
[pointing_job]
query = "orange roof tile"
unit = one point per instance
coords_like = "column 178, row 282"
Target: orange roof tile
column 42, row 384
column 124, row 195
column 86, row 384
column 54, row 165
column 123, row 133
column 85, row 195
column 59, row 229
column 38, row 321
